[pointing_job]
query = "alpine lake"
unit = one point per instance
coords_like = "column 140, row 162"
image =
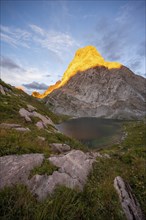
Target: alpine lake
column 93, row 132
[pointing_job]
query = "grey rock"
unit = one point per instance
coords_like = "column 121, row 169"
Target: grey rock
column 8, row 125
column 46, row 120
column 129, row 203
column 31, row 108
column 40, row 125
column 74, row 168
column 41, row 138
column 60, row 148
column 2, row 90
column 42, row 185
column 22, row 129
column 25, row 114
column 16, row 168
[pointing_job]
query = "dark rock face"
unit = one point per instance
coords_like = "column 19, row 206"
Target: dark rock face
column 100, row 92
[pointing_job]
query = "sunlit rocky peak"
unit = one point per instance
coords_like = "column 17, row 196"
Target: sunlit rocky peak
column 85, row 58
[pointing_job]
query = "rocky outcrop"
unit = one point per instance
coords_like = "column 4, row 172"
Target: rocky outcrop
column 74, row 168
column 4, row 90
column 15, row 169
column 28, row 114
column 129, row 203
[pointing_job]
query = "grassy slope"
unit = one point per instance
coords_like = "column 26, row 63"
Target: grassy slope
column 15, row 142
column 98, row 199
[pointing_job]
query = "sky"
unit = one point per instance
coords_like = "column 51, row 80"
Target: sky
column 39, row 38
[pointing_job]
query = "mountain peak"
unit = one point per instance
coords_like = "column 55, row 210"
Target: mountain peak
column 85, row 58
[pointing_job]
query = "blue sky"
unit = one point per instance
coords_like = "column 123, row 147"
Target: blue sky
column 39, row 38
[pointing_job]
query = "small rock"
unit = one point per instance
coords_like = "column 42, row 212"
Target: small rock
column 31, row 108
column 40, row 125
column 22, row 129
column 59, row 148
column 41, row 138
column 129, row 203
column 2, row 90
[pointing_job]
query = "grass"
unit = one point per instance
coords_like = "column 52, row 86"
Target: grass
column 99, row 199
column 45, row 168
column 14, row 142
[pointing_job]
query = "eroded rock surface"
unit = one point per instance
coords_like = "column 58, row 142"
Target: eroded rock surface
column 129, row 203
column 74, row 168
column 16, row 168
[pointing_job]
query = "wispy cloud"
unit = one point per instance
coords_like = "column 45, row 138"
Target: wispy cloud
column 55, row 41
column 15, row 37
column 36, row 85
column 9, row 64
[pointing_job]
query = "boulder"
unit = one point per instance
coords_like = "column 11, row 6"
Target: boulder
column 16, row 168
column 59, row 148
column 25, row 114
column 129, row 203
column 74, row 168
column 40, row 125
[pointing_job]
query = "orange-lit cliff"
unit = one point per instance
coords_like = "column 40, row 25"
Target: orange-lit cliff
column 85, row 58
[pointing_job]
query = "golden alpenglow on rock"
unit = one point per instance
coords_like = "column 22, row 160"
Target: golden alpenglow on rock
column 85, row 58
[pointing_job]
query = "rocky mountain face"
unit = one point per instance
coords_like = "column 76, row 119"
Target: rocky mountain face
column 101, row 92
column 92, row 86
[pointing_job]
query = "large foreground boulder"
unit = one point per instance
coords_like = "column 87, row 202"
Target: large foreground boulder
column 16, row 168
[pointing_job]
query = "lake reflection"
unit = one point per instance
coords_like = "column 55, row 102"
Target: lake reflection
column 93, row 132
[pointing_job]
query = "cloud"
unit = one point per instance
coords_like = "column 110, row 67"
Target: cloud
column 15, row 36
column 135, row 64
column 48, row 75
column 57, row 42
column 122, row 37
column 54, row 41
column 35, row 85
column 9, row 64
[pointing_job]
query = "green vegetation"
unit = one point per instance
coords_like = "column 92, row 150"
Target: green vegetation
column 15, row 142
column 99, row 199
column 45, row 168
